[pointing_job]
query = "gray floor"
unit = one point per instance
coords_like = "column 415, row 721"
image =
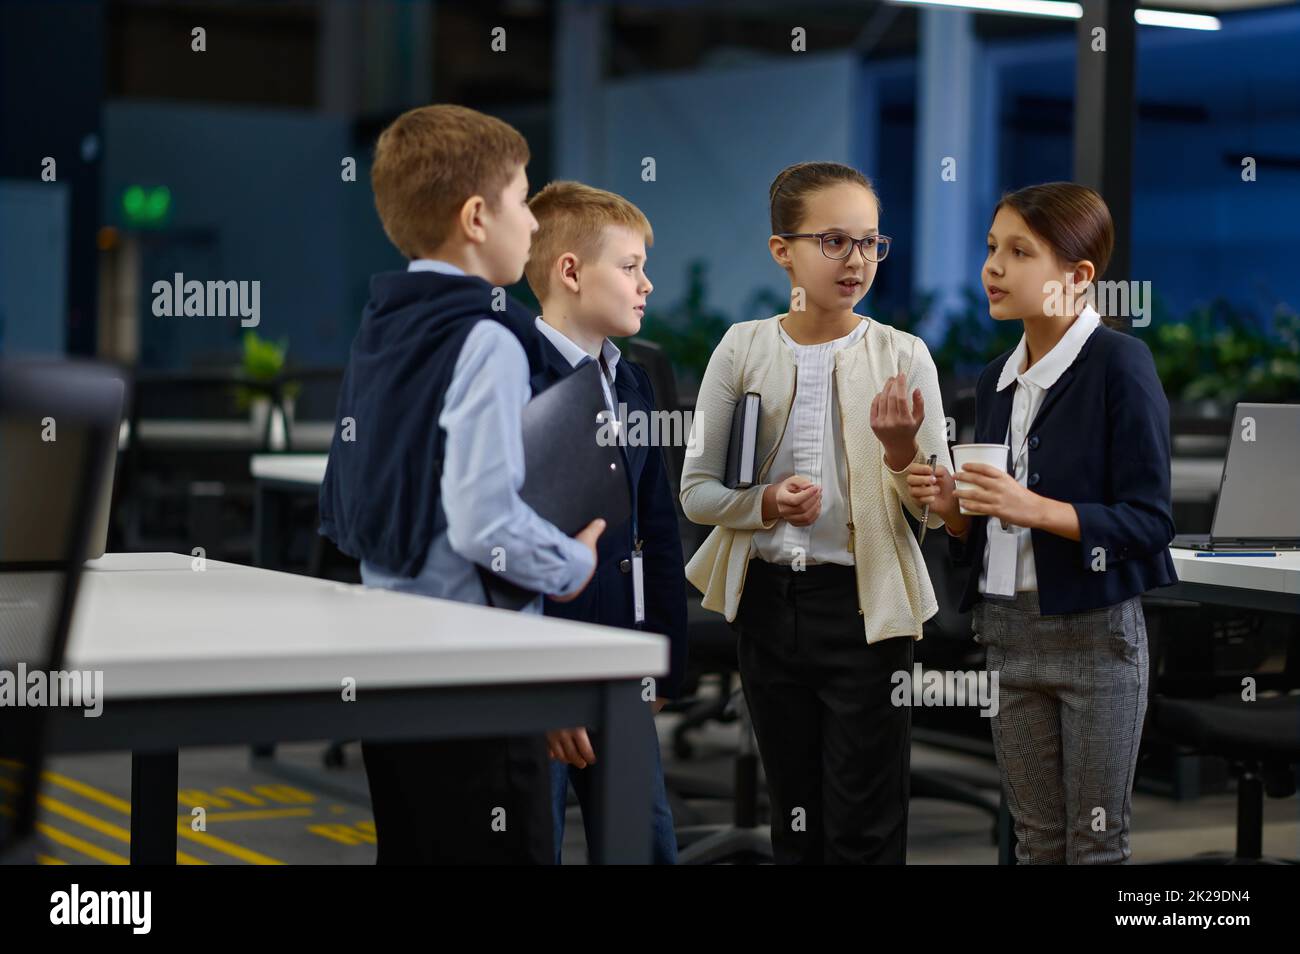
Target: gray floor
column 294, row 811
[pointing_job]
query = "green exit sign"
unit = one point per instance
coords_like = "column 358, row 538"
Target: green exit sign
column 146, row 206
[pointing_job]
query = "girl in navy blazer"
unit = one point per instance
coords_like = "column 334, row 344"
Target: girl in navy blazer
column 1063, row 542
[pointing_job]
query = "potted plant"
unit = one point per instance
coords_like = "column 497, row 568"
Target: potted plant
column 262, row 364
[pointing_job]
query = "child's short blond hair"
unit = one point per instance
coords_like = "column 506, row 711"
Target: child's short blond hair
column 570, row 218
column 429, row 161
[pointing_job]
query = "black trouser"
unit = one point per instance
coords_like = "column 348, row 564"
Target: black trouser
column 836, row 751
column 461, row 801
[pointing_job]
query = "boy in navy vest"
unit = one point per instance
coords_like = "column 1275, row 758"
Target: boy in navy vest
column 427, row 461
column 587, row 268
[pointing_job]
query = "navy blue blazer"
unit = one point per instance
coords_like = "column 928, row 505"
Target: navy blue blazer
column 608, row 597
column 1100, row 442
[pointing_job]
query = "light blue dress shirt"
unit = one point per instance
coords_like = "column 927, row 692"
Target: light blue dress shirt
column 483, row 469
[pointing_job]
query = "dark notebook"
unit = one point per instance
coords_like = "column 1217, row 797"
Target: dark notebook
column 570, row 478
column 741, row 447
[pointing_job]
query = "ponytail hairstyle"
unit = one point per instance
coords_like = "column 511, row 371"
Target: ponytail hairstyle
column 1073, row 220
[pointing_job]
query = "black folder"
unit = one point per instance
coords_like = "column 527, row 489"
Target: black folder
column 570, row 476
column 741, row 446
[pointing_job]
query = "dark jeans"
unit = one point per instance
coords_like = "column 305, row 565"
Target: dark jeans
column 836, row 751
column 663, row 845
column 461, row 801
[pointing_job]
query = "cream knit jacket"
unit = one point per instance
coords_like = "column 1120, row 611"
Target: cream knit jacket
column 894, row 593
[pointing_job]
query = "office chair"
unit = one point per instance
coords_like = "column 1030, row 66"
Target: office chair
column 308, row 396
column 652, row 358
column 744, row 841
column 58, row 432
column 947, row 646
column 1259, row 740
column 193, row 488
column 659, row 369
column 712, row 642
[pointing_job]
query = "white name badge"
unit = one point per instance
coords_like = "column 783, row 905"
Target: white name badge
column 638, row 588
column 1000, row 580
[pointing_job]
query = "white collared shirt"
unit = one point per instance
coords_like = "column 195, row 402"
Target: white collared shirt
column 486, row 396
column 572, row 352
column 813, row 445
column 1031, row 388
column 434, row 265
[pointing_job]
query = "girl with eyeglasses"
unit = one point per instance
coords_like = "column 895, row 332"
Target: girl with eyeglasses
column 815, row 565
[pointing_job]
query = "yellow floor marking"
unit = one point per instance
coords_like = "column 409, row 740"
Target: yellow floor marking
column 78, row 844
column 116, row 832
column 89, row 792
column 182, row 828
column 343, row 834
column 227, row 847
column 257, row 816
column 239, row 796
column 198, row 798
column 284, row 793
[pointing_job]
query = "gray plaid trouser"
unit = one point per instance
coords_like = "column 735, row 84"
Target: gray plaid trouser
column 1072, row 694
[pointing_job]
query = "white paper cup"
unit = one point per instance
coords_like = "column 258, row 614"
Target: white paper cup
column 995, row 455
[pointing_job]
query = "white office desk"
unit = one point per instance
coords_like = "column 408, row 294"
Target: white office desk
column 234, row 434
column 1192, row 478
column 126, row 562
column 290, row 468
column 1264, row 583
column 239, row 655
column 238, row 630
column 281, row 479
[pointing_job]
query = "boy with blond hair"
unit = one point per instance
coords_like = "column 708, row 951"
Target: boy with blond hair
column 426, row 463
column 587, row 268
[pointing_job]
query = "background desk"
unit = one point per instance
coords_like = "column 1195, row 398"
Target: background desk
column 1193, row 478
column 280, row 478
column 1261, row 583
column 237, row 655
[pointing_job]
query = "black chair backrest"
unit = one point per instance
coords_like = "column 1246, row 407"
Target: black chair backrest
column 660, row 369
column 58, row 429
column 316, row 394
column 949, row 582
column 194, row 395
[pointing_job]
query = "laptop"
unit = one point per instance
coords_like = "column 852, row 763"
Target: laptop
column 37, row 499
column 1258, row 507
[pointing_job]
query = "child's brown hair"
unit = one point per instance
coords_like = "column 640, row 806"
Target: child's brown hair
column 1073, row 220
column 570, row 218
column 429, row 161
column 795, row 183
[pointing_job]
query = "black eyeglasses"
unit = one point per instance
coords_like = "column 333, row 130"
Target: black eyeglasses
column 838, row 246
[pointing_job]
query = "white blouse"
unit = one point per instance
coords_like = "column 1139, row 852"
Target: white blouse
column 813, row 445
column 1031, row 390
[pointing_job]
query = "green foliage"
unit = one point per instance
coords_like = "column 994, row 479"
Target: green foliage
column 688, row 331
column 263, row 361
column 1224, row 353
column 972, row 338
column 1217, row 351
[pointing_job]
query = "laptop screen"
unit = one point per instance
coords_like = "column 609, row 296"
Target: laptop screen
column 1258, row 498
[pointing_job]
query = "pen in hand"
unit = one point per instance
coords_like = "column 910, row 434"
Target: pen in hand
column 925, row 513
